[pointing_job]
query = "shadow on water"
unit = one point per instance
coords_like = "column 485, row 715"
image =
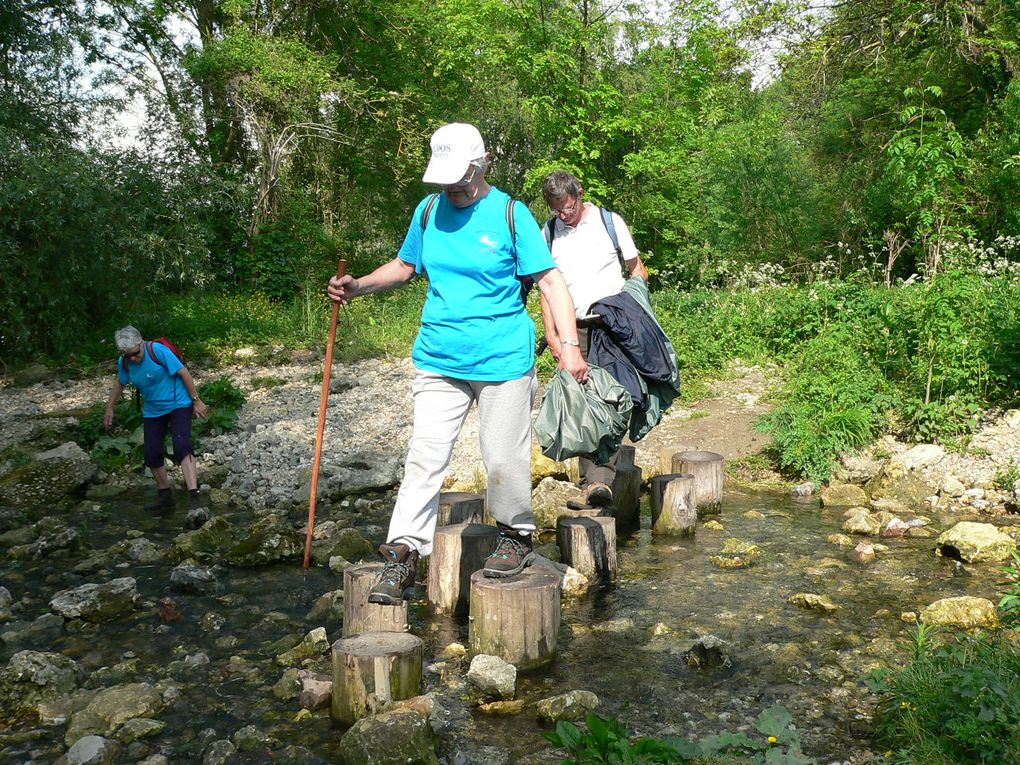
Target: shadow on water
column 628, row 643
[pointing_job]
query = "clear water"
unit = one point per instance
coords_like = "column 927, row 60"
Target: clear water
column 777, row 653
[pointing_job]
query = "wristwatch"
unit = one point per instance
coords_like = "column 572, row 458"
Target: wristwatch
column 570, row 342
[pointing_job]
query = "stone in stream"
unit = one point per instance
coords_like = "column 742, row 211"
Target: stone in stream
column 97, row 602
column 270, row 539
column 896, row 481
column 111, row 708
column 574, row 705
column 207, row 544
column 812, row 602
column 190, row 577
column 707, row 652
column 493, row 677
column 975, row 543
column 402, row 735
column 843, row 495
column 32, row 678
column 91, row 750
column 961, row 613
column 48, row 479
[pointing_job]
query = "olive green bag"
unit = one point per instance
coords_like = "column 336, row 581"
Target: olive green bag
column 589, row 419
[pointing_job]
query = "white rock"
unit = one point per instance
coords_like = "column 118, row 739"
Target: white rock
column 922, row 455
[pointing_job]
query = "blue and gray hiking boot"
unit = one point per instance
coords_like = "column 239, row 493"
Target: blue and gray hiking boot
column 396, row 582
column 512, row 555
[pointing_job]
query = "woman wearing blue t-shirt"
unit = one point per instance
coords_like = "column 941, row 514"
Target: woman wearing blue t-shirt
column 476, row 345
column 171, row 400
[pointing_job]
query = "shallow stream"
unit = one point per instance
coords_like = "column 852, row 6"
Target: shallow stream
column 626, row 643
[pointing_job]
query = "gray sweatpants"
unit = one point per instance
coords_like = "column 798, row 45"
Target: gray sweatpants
column 441, row 405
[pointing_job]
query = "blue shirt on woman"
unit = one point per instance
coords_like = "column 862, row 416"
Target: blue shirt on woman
column 474, row 325
column 161, row 389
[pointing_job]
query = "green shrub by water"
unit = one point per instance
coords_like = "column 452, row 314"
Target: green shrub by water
column 953, row 705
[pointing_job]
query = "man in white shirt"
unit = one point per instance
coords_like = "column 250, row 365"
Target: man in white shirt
column 592, row 264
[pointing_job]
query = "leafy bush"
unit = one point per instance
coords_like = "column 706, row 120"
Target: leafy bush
column 834, row 401
column 607, row 741
column 953, row 705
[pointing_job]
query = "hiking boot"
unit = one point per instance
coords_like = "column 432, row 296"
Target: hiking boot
column 396, row 582
column 196, row 500
column 512, row 555
column 163, row 502
column 597, row 494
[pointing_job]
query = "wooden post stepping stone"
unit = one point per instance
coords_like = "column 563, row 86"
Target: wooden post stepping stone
column 516, row 619
column 460, row 507
column 625, row 456
column 627, row 498
column 658, row 487
column 707, row 469
column 458, row 551
column 359, row 614
column 677, row 512
column 588, row 544
column 372, row 670
column 666, row 454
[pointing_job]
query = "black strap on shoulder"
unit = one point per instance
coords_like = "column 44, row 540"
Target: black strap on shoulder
column 510, row 224
column 549, row 229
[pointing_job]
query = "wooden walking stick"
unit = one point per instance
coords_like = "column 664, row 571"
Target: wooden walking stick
column 341, row 269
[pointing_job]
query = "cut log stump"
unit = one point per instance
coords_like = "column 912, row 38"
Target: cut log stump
column 458, row 551
column 658, row 489
column 372, row 670
column 516, row 619
column 359, row 614
column 678, row 511
column 707, row 469
column 625, row 456
column 627, row 498
column 666, row 455
column 460, row 507
column 588, row 544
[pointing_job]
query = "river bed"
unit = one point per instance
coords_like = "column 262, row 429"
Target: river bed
column 627, row 643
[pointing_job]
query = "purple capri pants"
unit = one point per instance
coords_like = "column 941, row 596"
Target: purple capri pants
column 154, row 429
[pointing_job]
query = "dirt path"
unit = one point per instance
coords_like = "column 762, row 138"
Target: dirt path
column 722, row 422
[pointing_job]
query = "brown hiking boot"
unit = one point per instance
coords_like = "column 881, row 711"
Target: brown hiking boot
column 597, row 494
column 163, row 503
column 396, row 582
column 512, row 555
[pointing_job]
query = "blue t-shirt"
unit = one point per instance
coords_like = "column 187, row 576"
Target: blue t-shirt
column 474, row 325
column 161, row 389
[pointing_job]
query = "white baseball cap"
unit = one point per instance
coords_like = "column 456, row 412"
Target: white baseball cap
column 453, row 148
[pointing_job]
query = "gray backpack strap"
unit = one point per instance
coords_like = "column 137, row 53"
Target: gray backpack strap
column 548, row 229
column 607, row 221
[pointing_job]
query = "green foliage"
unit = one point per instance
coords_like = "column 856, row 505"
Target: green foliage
column 1009, row 603
column 958, row 704
column 224, row 400
column 834, row 401
column 608, row 742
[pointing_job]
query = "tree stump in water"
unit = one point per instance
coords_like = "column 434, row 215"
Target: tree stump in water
column 516, row 619
column 460, row 507
column 359, row 614
column 658, row 488
column 374, row 669
column 707, row 469
column 666, row 455
column 588, row 544
column 458, row 551
column 678, row 510
column 626, row 505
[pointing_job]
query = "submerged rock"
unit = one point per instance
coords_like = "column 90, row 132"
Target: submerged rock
column 207, row 544
column 111, row 708
column 48, row 479
column 401, row 736
column 313, row 644
column 707, row 652
column 812, row 602
column 35, row 677
column 91, row 750
column 574, row 705
column 975, row 543
column 270, row 539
